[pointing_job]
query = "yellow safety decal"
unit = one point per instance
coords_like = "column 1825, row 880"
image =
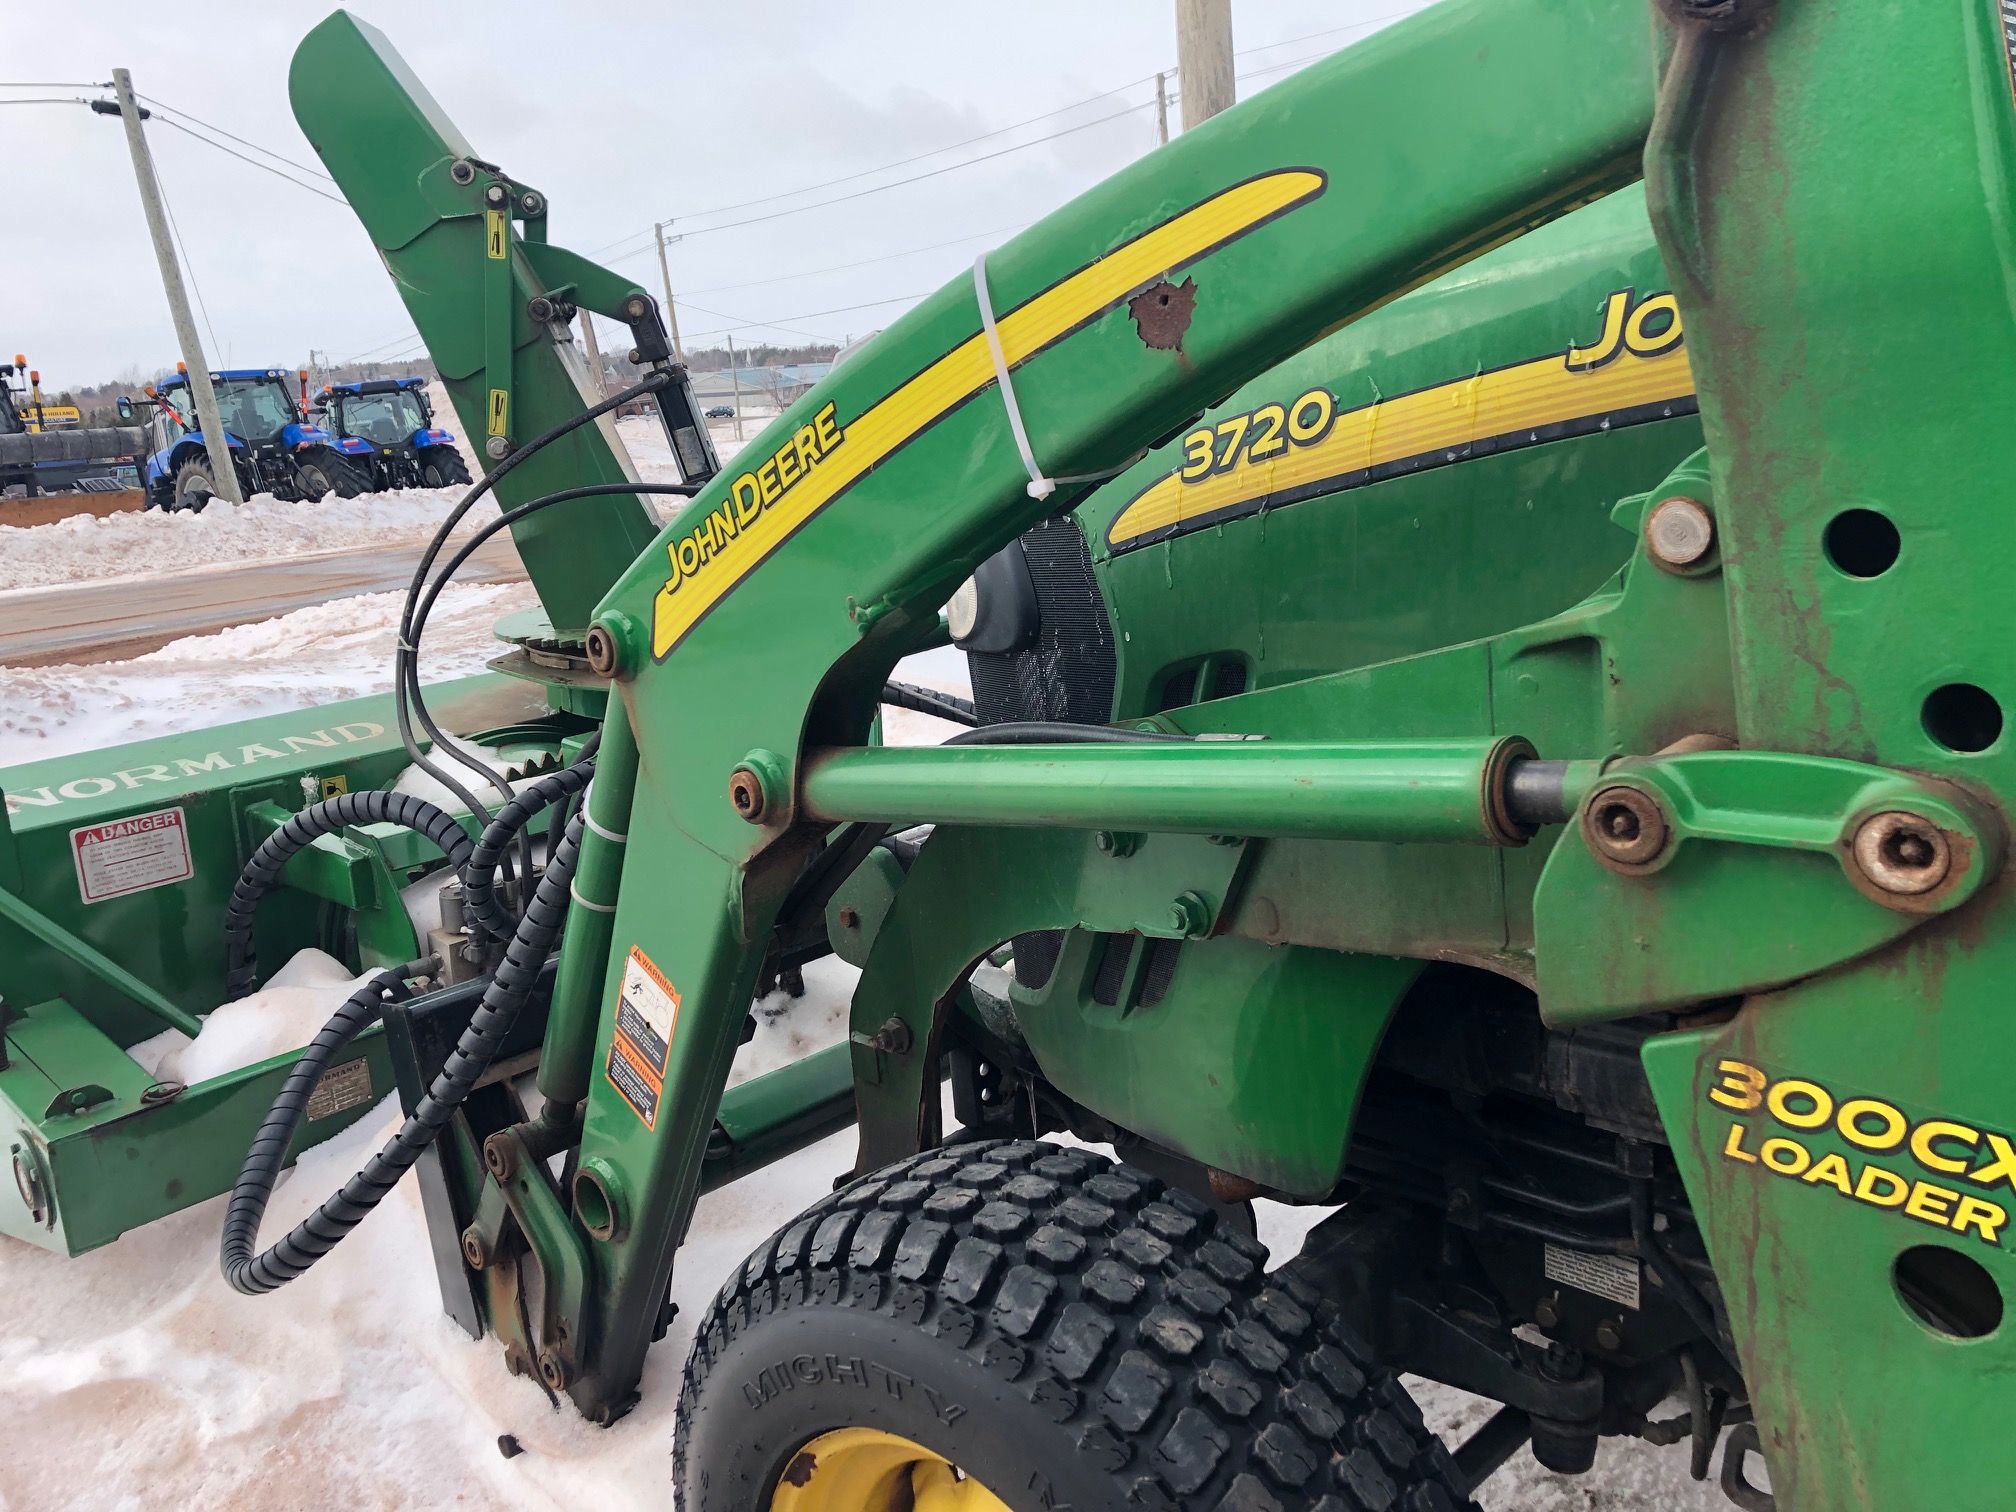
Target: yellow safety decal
column 496, row 242
column 647, row 1016
column 767, row 504
column 500, row 410
column 1865, row 1149
column 1283, row 453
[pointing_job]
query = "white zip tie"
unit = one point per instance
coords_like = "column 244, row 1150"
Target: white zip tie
column 1040, row 487
column 601, row 908
column 607, row 834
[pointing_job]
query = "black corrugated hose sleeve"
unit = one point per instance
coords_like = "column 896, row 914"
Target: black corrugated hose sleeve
column 325, row 1228
column 324, row 818
column 256, row 1178
column 901, row 695
column 479, row 872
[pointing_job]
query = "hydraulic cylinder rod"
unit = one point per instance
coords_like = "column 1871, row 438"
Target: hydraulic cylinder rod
column 565, row 1059
column 1398, row 791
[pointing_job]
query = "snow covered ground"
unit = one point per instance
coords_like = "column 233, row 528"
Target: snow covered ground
column 143, row 542
column 137, row 1380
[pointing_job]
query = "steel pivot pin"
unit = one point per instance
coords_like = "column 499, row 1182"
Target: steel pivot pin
column 1679, row 532
column 1901, row 853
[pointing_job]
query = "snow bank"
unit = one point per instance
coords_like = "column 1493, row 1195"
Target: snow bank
column 137, row 543
column 342, row 649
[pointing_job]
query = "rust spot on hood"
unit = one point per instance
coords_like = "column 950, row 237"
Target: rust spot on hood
column 1162, row 313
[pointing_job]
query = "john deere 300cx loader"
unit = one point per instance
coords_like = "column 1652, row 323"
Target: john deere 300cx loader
column 1484, row 572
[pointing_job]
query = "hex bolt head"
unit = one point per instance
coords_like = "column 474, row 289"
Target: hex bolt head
column 1901, row 853
column 552, row 1369
column 1547, row 1312
column 532, row 202
column 462, row 171
column 497, row 446
column 745, row 791
column 1624, row 828
column 474, row 1250
column 1679, row 532
column 850, row 916
column 1190, row 916
column 635, row 308
column 496, row 196
column 1609, row 1336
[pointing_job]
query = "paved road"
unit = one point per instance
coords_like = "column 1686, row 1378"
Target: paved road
column 112, row 618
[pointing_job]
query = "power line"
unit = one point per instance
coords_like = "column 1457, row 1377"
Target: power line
column 333, row 199
column 841, row 199
column 51, row 84
column 864, row 262
column 1330, row 32
column 202, row 304
column 774, row 325
column 899, row 163
column 269, row 152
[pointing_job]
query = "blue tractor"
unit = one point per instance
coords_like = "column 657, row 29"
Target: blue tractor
column 386, row 437
column 271, row 443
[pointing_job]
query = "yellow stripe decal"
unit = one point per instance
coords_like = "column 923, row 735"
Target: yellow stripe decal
column 715, row 552
column 1525, row 403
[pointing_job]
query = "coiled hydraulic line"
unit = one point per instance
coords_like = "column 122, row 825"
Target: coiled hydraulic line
column 325, row 1228
column 324, row 818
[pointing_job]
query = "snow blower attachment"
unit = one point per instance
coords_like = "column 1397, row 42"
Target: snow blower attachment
column 1519, row 762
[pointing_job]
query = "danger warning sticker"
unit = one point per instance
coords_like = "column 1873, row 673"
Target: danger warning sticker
column 646, row 1014
column 131, row 855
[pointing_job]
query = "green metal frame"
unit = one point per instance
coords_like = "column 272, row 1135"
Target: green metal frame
column 1763, row 702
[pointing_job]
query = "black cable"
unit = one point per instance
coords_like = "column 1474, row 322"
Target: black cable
column 324, row 1229
column 325, row 818
column 405, row 663
column 900, row 695
column 1056, row 732
column 479, row 873
column 261, row 1169
column 411, row 638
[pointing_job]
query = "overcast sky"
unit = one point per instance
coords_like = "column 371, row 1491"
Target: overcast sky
column 623, row 116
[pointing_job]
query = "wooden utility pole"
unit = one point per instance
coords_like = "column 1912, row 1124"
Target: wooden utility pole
column 671, row 309
column 594, row 353
column 735, row 378
column 223, row 475
column 1204, row 58
column 1162, row 108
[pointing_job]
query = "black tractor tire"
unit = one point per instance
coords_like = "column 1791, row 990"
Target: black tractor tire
column 195, row 486
column 1064, row 1330
column 311, row 481
column 347, row 476
column 444, row 472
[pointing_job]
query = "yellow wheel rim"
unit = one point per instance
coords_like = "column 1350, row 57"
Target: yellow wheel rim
column 867, row 1470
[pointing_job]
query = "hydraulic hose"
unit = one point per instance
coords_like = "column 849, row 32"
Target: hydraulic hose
column 327, row 1227
column 324, row 818
column 900, row 695
column 406, row 662
column 1057, row 732
column 479, row 873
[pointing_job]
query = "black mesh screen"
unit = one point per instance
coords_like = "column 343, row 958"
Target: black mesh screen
column 1114, row 949
column 1159, row 970
column 1231, row 679
column 1036, row 956
column 1068, row 674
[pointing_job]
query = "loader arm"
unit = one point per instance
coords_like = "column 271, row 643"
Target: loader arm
column 762, row 622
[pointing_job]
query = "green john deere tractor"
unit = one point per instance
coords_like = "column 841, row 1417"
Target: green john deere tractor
column 1488, row 717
